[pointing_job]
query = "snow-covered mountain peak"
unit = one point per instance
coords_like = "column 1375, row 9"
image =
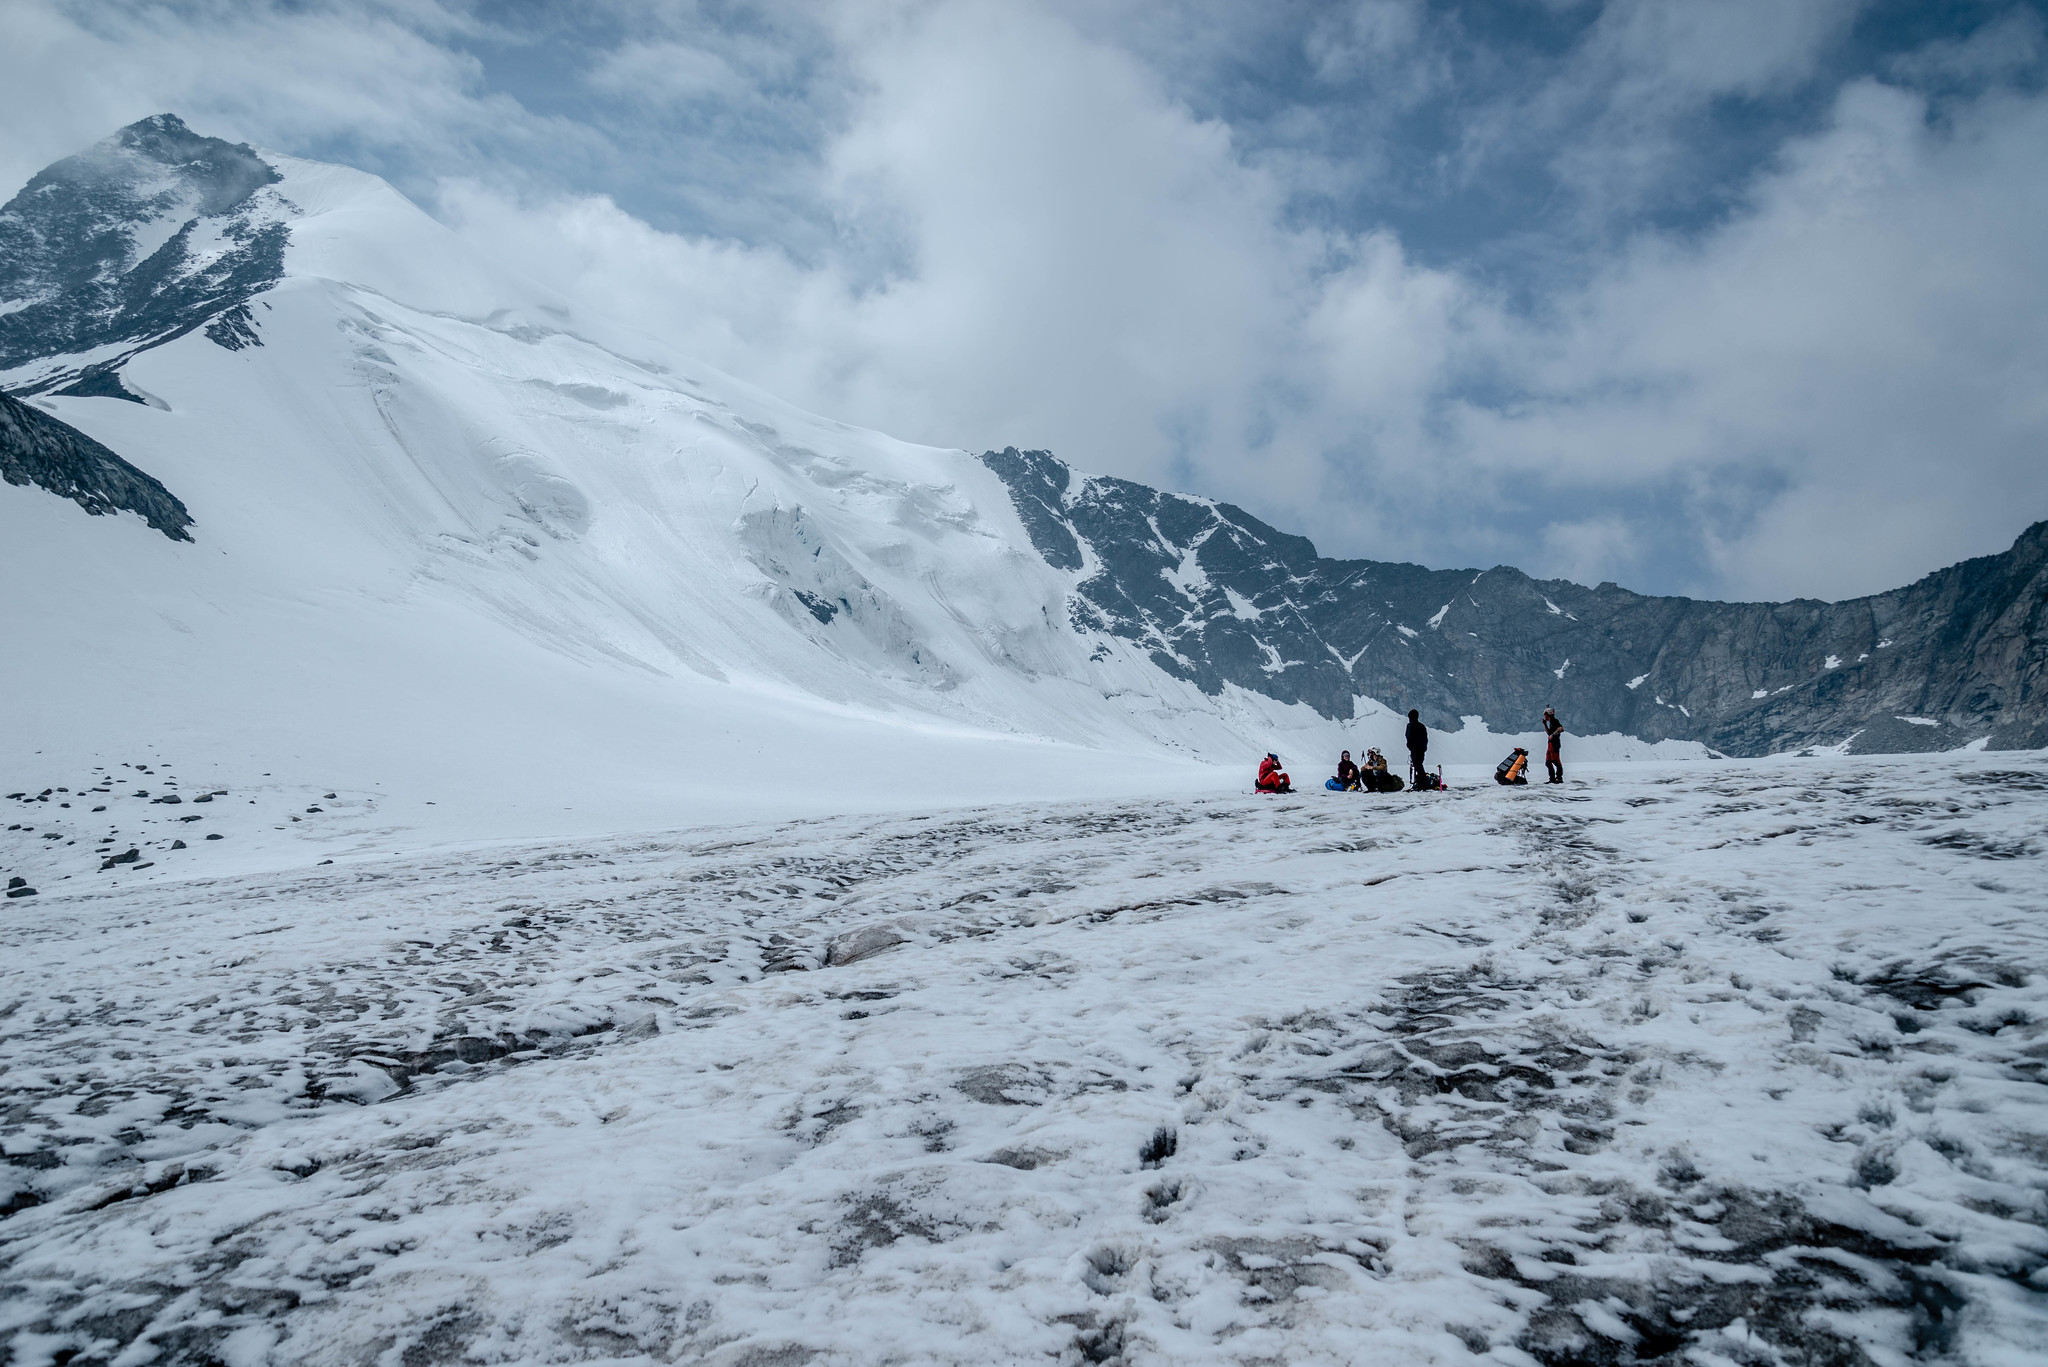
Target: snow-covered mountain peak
column 157, row 231
column 154, row 169
column 147, row 235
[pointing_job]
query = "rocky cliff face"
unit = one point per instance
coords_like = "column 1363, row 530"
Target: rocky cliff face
column 142, row 238
column 1217, row 597
column 37, row 449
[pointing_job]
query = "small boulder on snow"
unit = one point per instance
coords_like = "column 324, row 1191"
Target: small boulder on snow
column 863, row 943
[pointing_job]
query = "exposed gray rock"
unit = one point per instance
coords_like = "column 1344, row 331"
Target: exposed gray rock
column 38, row 449
column 1217, row 596
column 142, row 238
column 863, row 943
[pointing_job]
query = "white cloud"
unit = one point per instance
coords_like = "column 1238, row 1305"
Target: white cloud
column 1864, row 333
column 1372, row 38
column 668, row 73
column 380, row 78
column 1079, row 264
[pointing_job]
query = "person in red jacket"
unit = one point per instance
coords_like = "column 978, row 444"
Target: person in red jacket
column 1272, row 778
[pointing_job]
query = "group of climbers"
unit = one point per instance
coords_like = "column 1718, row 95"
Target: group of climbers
column 1370, row 777
column 1374, row 777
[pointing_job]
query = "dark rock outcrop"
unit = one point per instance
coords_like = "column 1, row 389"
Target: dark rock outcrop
column 1218, row 597
column 138, row 240
column 38, row 449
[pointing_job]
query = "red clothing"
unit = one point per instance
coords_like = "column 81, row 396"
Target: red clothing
column 1272, row 778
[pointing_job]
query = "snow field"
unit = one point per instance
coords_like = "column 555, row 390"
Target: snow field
column 1740, row 1063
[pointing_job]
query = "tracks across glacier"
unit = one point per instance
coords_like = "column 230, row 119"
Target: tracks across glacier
column 1724, row 1063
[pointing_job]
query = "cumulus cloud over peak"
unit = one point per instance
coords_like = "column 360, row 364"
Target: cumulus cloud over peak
column 1738, row 300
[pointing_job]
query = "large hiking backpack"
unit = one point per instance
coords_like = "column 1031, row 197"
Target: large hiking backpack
column 1513, row 769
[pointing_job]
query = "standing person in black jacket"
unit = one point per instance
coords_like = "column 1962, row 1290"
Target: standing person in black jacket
column 1553, row 762
column 1418, row 742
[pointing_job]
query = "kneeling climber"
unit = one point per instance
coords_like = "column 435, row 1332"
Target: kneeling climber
column 1272, row 778
column 1513, row 769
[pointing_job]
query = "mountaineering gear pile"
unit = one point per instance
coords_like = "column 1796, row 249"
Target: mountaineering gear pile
column 1273, row 779
column 1418, row 745
column 1513, row 769
column 1553, row 761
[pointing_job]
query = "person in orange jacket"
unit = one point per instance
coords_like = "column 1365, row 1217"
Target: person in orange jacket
column 1272, row 778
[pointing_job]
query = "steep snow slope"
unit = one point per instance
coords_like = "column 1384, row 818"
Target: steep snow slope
column 453, row 538
column 1731, row 1064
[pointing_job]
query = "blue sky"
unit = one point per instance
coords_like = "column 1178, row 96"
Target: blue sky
column 1737, row 299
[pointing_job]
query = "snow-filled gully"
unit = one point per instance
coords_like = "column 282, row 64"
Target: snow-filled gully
column 1727, row 1064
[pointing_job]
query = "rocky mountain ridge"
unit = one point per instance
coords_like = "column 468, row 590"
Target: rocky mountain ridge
column 38, row 449
column 1217, row 597
column 147, row 235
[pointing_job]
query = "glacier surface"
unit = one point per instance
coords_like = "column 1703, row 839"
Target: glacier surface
column 1730, row 1064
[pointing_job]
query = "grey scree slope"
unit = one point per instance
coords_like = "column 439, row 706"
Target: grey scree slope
column 72, row 247
column 1965, row 648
